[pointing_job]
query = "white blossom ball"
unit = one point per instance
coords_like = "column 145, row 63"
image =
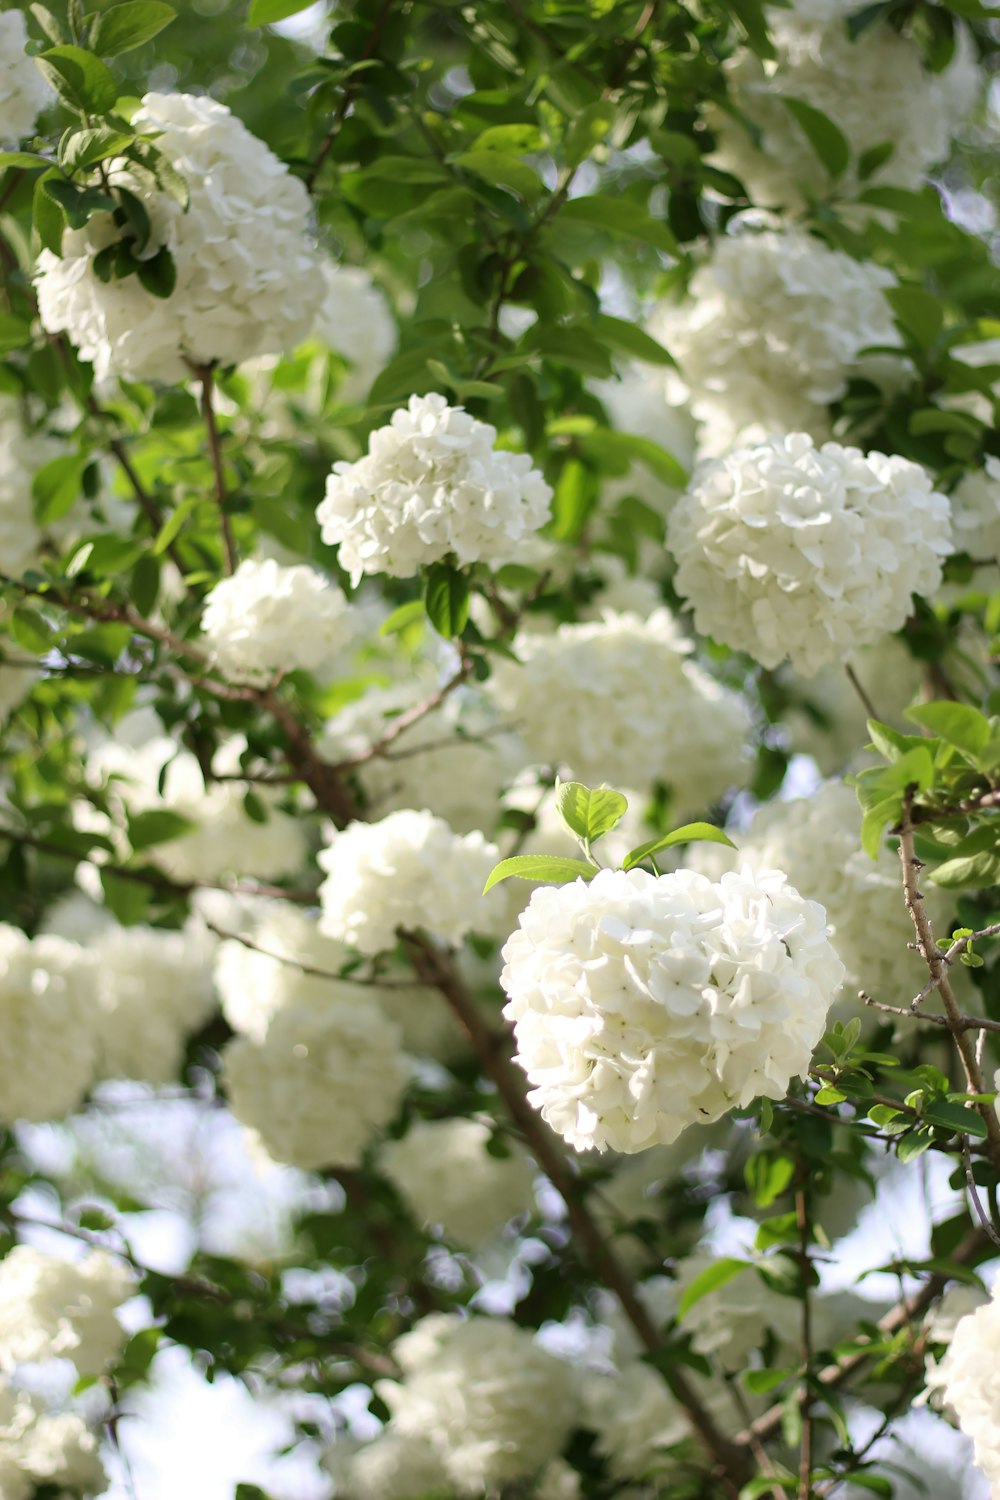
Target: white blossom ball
column 620, row 702
column 267, row 618
column 393, row 1466
column 975, row 512
column 49, row 1026
column 876, row 89
column 635, row 1418
column 432, row 485
column 356, row 322
column 325, row 1076
column 969, row 1378
column 39, row 1448
column 248, row 280
column 771, row 329
column 446, row 1176
column 733, row 1319
column 410, row 870
column 455, row 760
column 58, row 1309
column 24, row 93
column 643, row 1004
column 494, row 1404
column 22, row 453
column 793, row 552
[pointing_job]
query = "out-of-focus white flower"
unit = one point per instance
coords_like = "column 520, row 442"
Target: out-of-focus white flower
column 432, row 484
column 773, row 325
column 876, row 89
column 49, row 1026
column 24, row 93
column 22, row 454
column 355, row 321
column 453, row 761
column 635, row 1418
column 643, row 401
column 619, row 701
column 322, row 1079
column 248, row 280
column 633, row 1193
column 154, row 988
column 267, row 618
column 968, row 1377
column 445, row 1174
column 891, row 678
column 58, row 1309
column 39, row 1448
column 643, row 1004
column 732, row 1320
column 793, row 552
column 393, row 1466
column 494, row 1405
column 975, row 512
column 409, row 870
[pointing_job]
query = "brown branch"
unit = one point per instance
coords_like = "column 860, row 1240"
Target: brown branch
column 348, row 96
column 966, row 1023
column 406, row 720
column 856, row 684
column 805, row 1272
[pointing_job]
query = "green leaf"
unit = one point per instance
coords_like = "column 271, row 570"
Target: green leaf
column 918, row 313
column 552, row 867
column 49, row 219
column 876, row 156
column 909, row 1147
column 83, row 148
column 606, row 443
column 588, row 812
column 157, row 826
column 403, row 616
column 974, row 862
column 957, row 723
column 955, row 1117
column 502, row 170
column 31, row 631
column 631, row 339
column 144, row 585
column 266, row 12
column 56, row 487
column 128, row 900
column 690, row 833
column 714, row 1276
column 446, row 599
column 767, row 1176
column 172, row 525
column 158, row 274
column 77, row 203
column 590, row 128
column 890, row 743
column 827, row 139
column 123, row 27
column 14, row 332
column 80, row 78
column 27, row 161
column 620, row 216
column 759, row 1382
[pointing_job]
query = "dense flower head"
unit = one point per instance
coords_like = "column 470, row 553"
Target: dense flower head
column 494, row 1405
column 431, row 485
column 267, row 618
column 39, row 1448
column 409, row 870
column 875, row 88
column 154, row 989
column 322, row 1079
column 642, row 1004
column 773, row 325
column 789, row 551
column 733, row 1319
column 446, row 1175
column 975, row 512
column 393, row 1466
column 355, row 321
column 24, row 93
column 58, row 1309
column 969, row 1378
column 635, row 1418
column 620, row 701
column 49, row 1026
column 248, row 280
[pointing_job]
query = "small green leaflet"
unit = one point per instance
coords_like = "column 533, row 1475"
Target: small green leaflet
column 589, row 813
column 446, row 598
column 691, row 833
column 713, row 1276
column 552, row 867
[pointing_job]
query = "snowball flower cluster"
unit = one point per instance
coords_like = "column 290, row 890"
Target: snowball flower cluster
column 876, row 89
column 38, row 1448
column 48, row 1025
column 969, row 1378
column 393, row 1466
column 432, row 484
column 57, row 1309
column 248, row 281
column 322, row 1079
column 643, row 1004
column 789, row 551
column 494, row 1405
column 975, row 512
column 22, row 454
column 619, row 701
column 732, row 1320
column 445, row 1174
column 635, row 1419
column 354, row 321
column 409, row 870
column 771, row 329
column 24, row 93
column 267, row 618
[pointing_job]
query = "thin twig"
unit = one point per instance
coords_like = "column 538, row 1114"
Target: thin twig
column 856, row 684
column 970, row 1180
column 805, row 1274
column 347, row 98
column 368, row 981
column 206, row 376
column 406, row 720
column 966, row 1023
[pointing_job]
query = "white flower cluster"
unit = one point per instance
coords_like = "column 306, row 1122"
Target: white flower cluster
column 47, row 1020
column 393, row 1466
column 445, row 1174
column 268, row 618
column 489, row 1401
column 57, row 1309
column 975, row 512
column 248, row 281
column 355, row 321
column 969, row 1378
column 891, row 678
column 734, row 1319
column 644, row 1004
column 24, row 93
column 773, row 325
column 789, row 551
column 875, row 89
column 619, row 701
column 453, row 761
column 22, row 454
column 325, row 1075
column 39, row 1448
column 635, row 1419
column 432, row 484
column 409, row 870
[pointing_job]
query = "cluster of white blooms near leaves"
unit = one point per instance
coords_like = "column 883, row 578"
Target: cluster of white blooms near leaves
column 500, row 740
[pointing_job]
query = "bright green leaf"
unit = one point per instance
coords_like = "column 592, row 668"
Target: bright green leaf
column 588, row 812
column 690, row 833
column 710, row 1280
column 80, row 78
column 551, row 867
column 123, row 27
column 827, row 139
column 446, row 599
